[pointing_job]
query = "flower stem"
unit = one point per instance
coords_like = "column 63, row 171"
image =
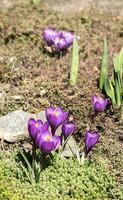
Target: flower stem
column 43, row 161
column 83, row 158
column 33, row 160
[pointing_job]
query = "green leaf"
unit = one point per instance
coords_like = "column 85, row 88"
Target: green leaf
column 26, row 160
column 104, row 65
column 109, row 90
column 75, row 63
column 118, row 63
column 29, row 171
column 121, row 56
column 118, row 93
column 26, row 172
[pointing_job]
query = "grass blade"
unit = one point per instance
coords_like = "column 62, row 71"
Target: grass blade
column 109, row 90
column 104, row 66
column 75, row 63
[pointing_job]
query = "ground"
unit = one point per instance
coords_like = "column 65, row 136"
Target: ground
column 31, row 78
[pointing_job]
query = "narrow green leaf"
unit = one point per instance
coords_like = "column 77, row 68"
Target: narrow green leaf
column 109, row 90
column 75, row 63
column 116, row 63
column 27, row 173
column 104, row 65
column 118, row 93
column 121, row 62
column 26, row 161
column 121, row 56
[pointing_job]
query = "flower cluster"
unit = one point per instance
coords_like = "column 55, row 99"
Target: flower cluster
column 60, row 40
column 44, row 134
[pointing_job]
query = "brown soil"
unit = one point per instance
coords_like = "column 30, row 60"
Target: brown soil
column 32, row 79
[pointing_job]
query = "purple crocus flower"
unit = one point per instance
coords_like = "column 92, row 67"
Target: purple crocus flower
column 55, row 117
column 47, row 142
column 35, row 126
column 99, row 103
column 69, row 37
column 49, row 35
column 68, row 129
column 91, row 139
column 59, row 39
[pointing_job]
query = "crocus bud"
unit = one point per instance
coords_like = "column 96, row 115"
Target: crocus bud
column 55, row 117
column 99, row 103
column 68, row 129
column 91, row 139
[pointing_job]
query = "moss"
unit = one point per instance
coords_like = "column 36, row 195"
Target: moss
column 63, row 179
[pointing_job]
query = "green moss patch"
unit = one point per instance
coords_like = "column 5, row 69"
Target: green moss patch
column 62, row 179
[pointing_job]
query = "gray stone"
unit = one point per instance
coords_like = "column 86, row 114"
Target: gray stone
column 71, row 148
column 13, row 126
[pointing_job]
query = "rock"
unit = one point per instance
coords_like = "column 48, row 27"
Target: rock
column 71, row 148
column 13, row 126
column 2, row 94
column 17, row 97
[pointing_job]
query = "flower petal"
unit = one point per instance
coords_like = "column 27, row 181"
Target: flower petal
column 68, row 128
column 99, row 103
column 69, row 37
column 91, row 138
column 49, row 35
column 57, row 141
column 47, row 146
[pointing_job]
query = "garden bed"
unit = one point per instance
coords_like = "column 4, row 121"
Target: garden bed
column 31, row 78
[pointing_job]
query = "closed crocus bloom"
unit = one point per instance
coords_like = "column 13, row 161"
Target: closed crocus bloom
column 69, row 37
column 55, row 117
column 91, row 139
column 35, row 126
column 47, row 142
column 49, row 35
column 99, row 103
column 68, row 129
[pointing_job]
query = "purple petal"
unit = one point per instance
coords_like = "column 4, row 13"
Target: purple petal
column 69, row 37
column 60, row 43
column 47, row 146
column 98, row 107
column 49, row 35
column 46, row 135
column 49, row 111
column 57, row 141
column 34, row 127
column 94, row 99
column 99, row 103
column 68, row 128
column 91, row 138
column 65, row 116
column 55, row 117
column 38, row 139
column 45, row 126
column 56, row 121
